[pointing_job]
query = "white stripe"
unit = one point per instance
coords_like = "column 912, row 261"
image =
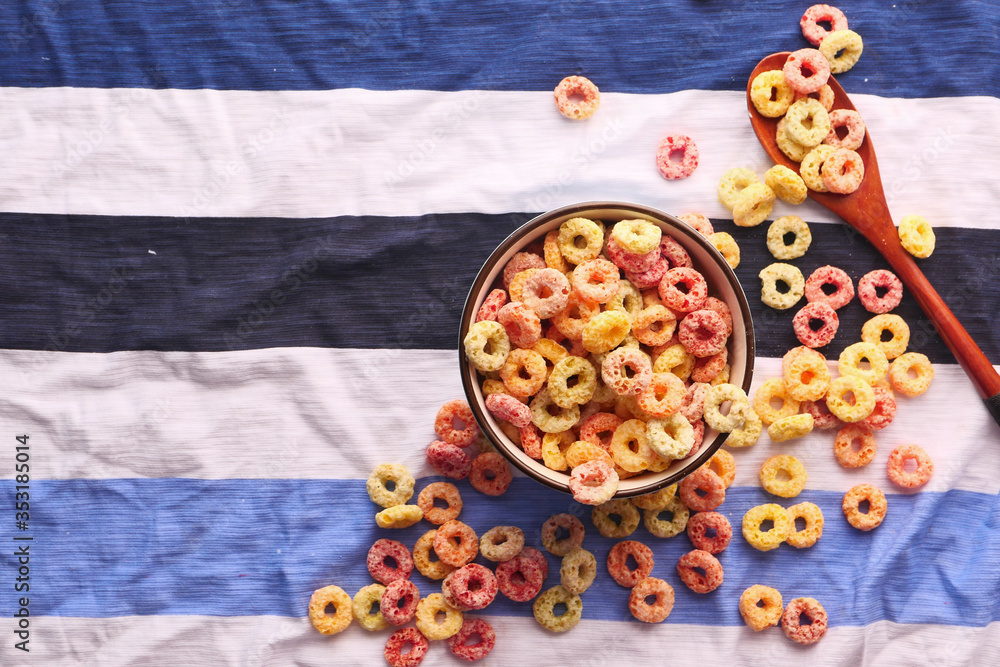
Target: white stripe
column 257, row 641
column 240, row 153
column 337, row 413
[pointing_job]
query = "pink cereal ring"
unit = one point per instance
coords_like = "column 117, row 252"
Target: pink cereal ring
column 702, row 333
column 720, row 307
column 384, row 552
column 508, row 408
column 702, row 480
column 884, row 412
column 449, row 460
column 699, row 222
column 490, row 474
column 521, row 578
column 651, row 278
column 456, row 413
column 688, row 567
column 596, row 280
column 492, row 304
column 474, row 586
column 597, row 424
column 693, row 406
column 546, row 292
column 531, row 441
column 806, row 70
column 691, row 298
column 399, row 601
column 851, row 120
column 700, row 526
column 824, row 332
column 675, row 253
column 418, row 644
column 613, row 371
column 593, row 482
column 577, row 86
column 522, row 325
column 874, row 282
column 631, row 262
column 521, row 261
column 843, row 171
column 811, row 19
column 829, row 275
column 683, row 167
column 822, row 417
column 473, row 627
column 897, row 470
column 538, row 557
column 698, row 426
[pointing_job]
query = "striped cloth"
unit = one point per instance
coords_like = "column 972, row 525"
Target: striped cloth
column 235, row 238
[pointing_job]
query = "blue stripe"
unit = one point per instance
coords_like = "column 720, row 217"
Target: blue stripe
column 117, row 547
column 515, row 45
column 89, row 283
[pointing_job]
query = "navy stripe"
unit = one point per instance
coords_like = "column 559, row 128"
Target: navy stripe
column 320, row 44
column 90, row 284
column 119, row 547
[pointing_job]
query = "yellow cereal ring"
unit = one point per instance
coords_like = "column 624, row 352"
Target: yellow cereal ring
column 873, row 329
column 727, row 247
column 753, row 205
column 761, row 607
column 670, row 437
column 723, row 464
column 400, row 516
column 661, row 526
column 899, row 374
column 770, row 539
column 732, row 183
column 791, row 466
column 770, row 94
column 812, row 163
column 580, row 240
column 675, row 359
column 422, row 552
column 545, row 604
column 861, row 394
column 655, row 500
column 631, row 433
column 606, row 331
column 545, row 420
column 521, row 362
column 793, row 150
column 551, row 351
column 602, row 518
column 854, row 355
column 847, row 43
column 773, row 390
column 786, row 184
column 813, row 517
column 876, row 507
column 554, row 446
column 806, row 375
column 577, row 571
column 715, row 397
column 568, row 368
column 917, row 236
column 807, row 123
column 792, row 278
column 366, row 598
column 748, row 434
column 343, row 610
column 789, row 428
column 637, row 236
column 384, row 474
column 628, row 300
column 582, row 451
column 789, row 224
column 483, row 336
column 426, row 617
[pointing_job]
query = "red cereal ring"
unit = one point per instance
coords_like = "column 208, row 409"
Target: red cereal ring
column 596, row 280
column 791, row 621
column 843, row 171
column 521, row 578
column 449, row 460
column 843, row 445
column 492, row 304
column 618, row 362
column 709, row 531
column 474, row 586
column 389, row 560
column 696, row 289
column 874, row 282
column 688, row 566
column 618, row 562
column 822, row 417
column 546, row 292
column 522, row 325
column 829, row 275
column 674, row 252
column 597, row 424
column 490, row 474
column 650, row 278
column 811, row 19
column 702, row 481
column 702, row 333
column 685, row 165
column 459, row 644
column 850, row 119
column 452, row 413
column 884, row 412
column 531, row 441
column 663, row 594
column 827, row 322
column 521, row 261
column 455, row 543
column 399, row 601
column 631, row 262
column 707, row 368
column 508, row 408
column 400, row 638
column 806, row 70
column 897, row 466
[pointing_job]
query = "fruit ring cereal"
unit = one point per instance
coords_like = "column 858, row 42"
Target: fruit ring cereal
column 438, row 515
column 655, row 500
column 793, row 150
column 747, row 434
column 628, row 300
column 613, row 371
column 389, row 560
column 399, row 601
column 637, row 236
column 789, row 428
column 824, row 95
column 850, row 398
column 520, row 578
column 675, row 359
column 791, row 620
column 631, row 262
column 388, row 475
column 853, row 356
column 455, row 543
column 811, row 167
column 490, row 474
column 898, row 474
column 917, row 236
column 596, row 280
column 874, row 329
column 522, row 325
column 544, row 419
column 422, row 552
column 473, row 586
column 531, row 441
column 820, row 315
column 788, row 274
column 659, row 609
column 578, row 312
column 715, row 397
column 618, row 566
column 843, row 287
column 806, row 375
column 521, row 261
column 822, row 417
column 553, row 255
column 501, row 543
column 364, row 600
column 761, row 607
column 449, row 594
column 663, row 396
column 545, row 605
column 816, row 33
column 806, row 71
column 770, row 94
column 812, row 515
column 694, row 294
column 903, row 365
column 577, row 571
column 560, row 546
column 343, row 610
column 792, row 467
column 691, row 562
column 674, row 169
column 679, row 515
column 753, row 205
column 577, row 86
column 603, row 519
column 767, row 393
column 483, row 336
column 427, row 617
column 723, row 464
column 546, row 292
column 703, row 480
column 406, row 637
column 650, row 278
column 843, row 445
column 727, row 247
column 847, row 44
column 766, row 540
column 472, row 627
column 516, row 289
column 455, row 424
column 654, row 325
column 630, row 448
column 702, row 333
column 587, row 232
column 521, row 363
column 880, row 280
column 598, row 423
column 449, row 460
column 492, row 304
column 701, row 223
column 851, row 120
column 675, row 253
column 701, row 524
column 400, row 516
column 787, row 186
column 732, row 183
column 605, row 331
column 789, row 224
column 582, row 451
column 843, row 171
column 553, row 446
column 807, row 123
column 876, row 507
column 507, row 408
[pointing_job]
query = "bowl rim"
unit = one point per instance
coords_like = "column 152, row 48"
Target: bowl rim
column 468, row 374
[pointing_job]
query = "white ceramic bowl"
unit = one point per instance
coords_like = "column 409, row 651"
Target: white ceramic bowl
column 722, row 282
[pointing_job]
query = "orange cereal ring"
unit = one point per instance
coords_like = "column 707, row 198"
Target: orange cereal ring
column 700, row 571
column 553, row 255
column 394, row 654
column 423, row 551
column 399, row 601
column 605, row 331
column 618, row 566
column 691, row 298
column 876, row 507
column 898, row 474
column 492, row 304
column 843, row 171
column 806, row 71
column 851, row 120
column 522, row 325
column 501, row 543
column 577, row 86
column 654, row 325
column 723, row 464
column 727, row 247
column 812, row 29
column 521, row 261
column 523, row 373
column 709, row 531
column 551, row 351
column 795, row 629
column 905, row 364
column 568, row 524
column 571, row 321
column 812, row 515
column 850, row 398
column 445, row 492
column 663, row 396
column 343, row 610
column 761, row 607
column 707, row 369
column 673, row 169
column 490, row 474
column 663, row 600
column 702, row 481
column 844, row 450
column 456, row 543
column 770, row 476
column 699, row 222
column 516, row 289
column 596, row 280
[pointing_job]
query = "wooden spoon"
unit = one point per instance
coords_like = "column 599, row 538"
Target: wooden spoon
column 866, row 210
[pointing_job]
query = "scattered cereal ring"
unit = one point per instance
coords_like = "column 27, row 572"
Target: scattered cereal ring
column 898, row 474
column 605, row 331
column 389, row 560
column 455, row 543
column 771, row 94
column 702, row 333
column 560, row 546
column 422, row 552
column 492, row 304
column 691, row 298
column 843, row 171
column 602, row 516
column 786, row 274
column 473, row 586
column 806, row 71
column 815, row 324
column 654, row 325
column 873, row 331
column 715, row 397
column 472, row 627
column 774, row 536
column 486, row 335
column 701, row 223
column 911, row 362
column 807, row 123
column 399, row 601
column 854, row 356
column 390, row 474
column 727, row 247
column 732, row 183
column 850, row 398
column 703, row 480
column 544, row 609
column 843, row 287
column 659, row 609
column 490, row 474
column 427, row 613
column 449, row 494
column 521, row 578
column 917, row 236
column 674, row 169
column 367, row 598
column 688, row 569
column 793, row 150
column 701, row 524
column 522, row 325
column 844, row 450
column 810, row 169
column 753, row 205
column 876, row 507
column 842, row 49
column 618, row 566
column 822, row 417
column 812, row 515
column 880, row 280
column 805, row 373
column 618, row 362
column 761, row 607
column 501, row 543
column 508, row 408
column 587, row 233
column 343, row 610
column 816, row 33
column 400, row 516
column 401, row 638
column 577, row 86
column 663, row 527
column 791, row 619
column 449, row 460
column 770, row 476
column 656, row 499
column 773, row 390
column 521, row 261
column 851, row 121
column 787, row 186
column 577, row 571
